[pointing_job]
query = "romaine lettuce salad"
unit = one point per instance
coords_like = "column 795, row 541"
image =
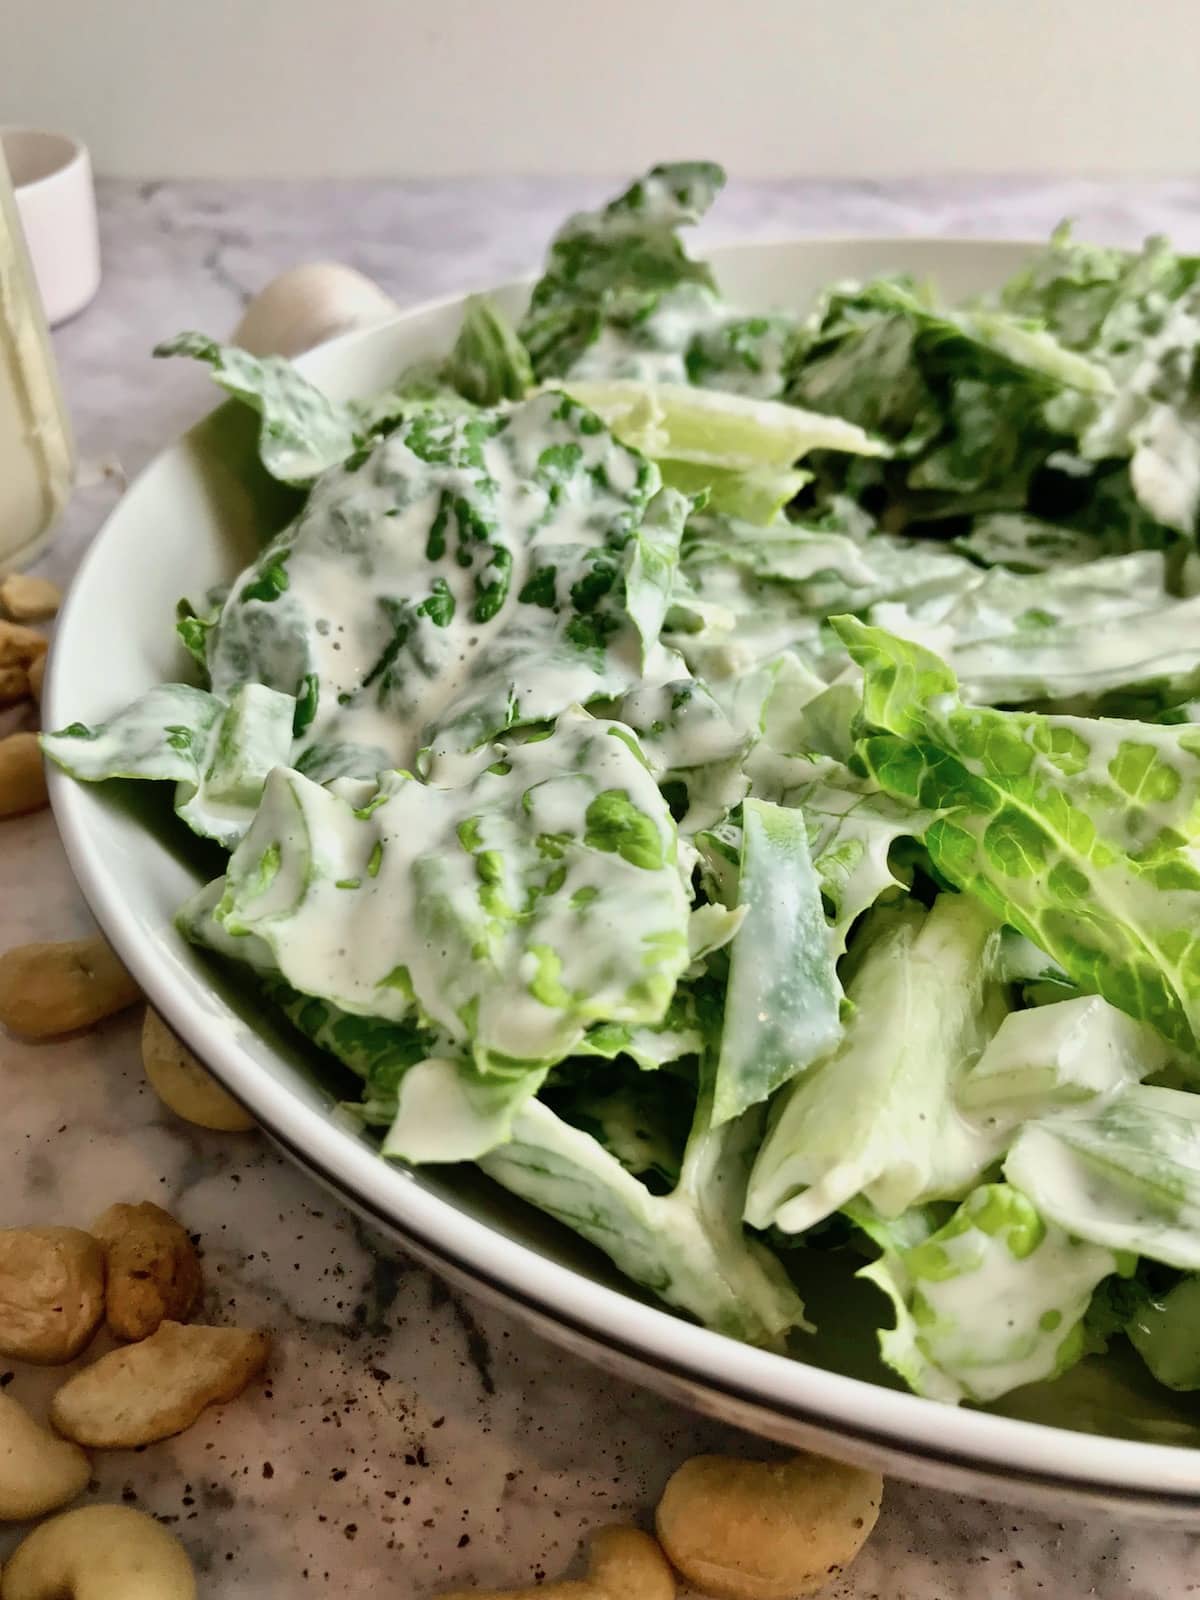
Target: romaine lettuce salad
column 735, row 776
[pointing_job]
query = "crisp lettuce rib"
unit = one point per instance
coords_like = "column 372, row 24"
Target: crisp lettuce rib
column 688, row 1246
column 1124, row 1172
column 878, row 1118
column 783, row 996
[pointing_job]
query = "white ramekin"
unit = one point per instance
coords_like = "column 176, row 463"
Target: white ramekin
column 52, row 178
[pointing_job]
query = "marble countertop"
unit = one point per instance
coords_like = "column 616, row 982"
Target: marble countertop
column 408, row 1438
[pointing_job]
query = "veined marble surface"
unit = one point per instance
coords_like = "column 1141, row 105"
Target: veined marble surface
column 408, row 1439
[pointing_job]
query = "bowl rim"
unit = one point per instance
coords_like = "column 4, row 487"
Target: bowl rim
column 874, row 1419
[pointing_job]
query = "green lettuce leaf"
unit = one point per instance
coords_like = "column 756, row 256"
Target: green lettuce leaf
column 1154, row 417
column 1057, row 1056
column 1124, row 1173
column 1090, row 295
column 1165, row 1332
column 511, row 913
column 694, row 749
column 217, row 753
column 1027, row 544
column 378, row 1050
column 1075, row 633
column 783, row 998
column 303, row 431
column 962, row 396
column 448, row 1110
column 614, row 277
column 641, row 1118
column 495, row 557
column 852, row 827
column 878, row 1118
column 993, row 1300
column 488, row 363
column 1068, row 828
column 709, row 429
column 688, row 1246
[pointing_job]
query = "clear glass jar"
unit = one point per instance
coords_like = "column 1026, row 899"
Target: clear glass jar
column 37, row 457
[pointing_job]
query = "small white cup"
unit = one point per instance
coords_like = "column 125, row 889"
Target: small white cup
column 52, row 179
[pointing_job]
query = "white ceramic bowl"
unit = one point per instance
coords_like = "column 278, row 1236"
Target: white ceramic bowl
column 192, row 519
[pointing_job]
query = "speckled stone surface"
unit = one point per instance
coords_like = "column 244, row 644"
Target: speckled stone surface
column 408, row 1439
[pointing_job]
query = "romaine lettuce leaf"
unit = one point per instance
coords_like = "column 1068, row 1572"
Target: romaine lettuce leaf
column 511, row 913
column 643, row 1119
column 1165, row 1332
column 878, row 1118
column 1124, row 1173
column 488, row 362
column 218, row 753
column 448, row 1109
column 962, row 396
column 379, row 1050
column 756, row 494
column 852, row 826
column 1027, row 544
column 1079, row 832
column 783, row 996
column 706, row 427
column 618, row 279
column 1154, row 417
column 1075, row 633
column 993, row 1300
column 1089, row 295
column 469, row 574
column 738, row 452
column 688, row 1246
column 621, row 298
column 745, row 354
column 1058, row 1056
column 694, row 749
column 303, row 431
column 1138, row 316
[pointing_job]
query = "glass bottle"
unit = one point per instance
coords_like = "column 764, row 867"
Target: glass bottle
column 37, row 457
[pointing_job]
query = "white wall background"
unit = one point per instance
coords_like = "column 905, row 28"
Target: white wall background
column 868, row 88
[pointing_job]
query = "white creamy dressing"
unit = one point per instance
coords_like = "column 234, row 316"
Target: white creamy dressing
column 878, row 1117
column 997, row 1314
column 1126, row 1176
column 446, row 1112
column 1074, row 1052
column 1013, row 637
column 358, row 564
column 416, row 902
